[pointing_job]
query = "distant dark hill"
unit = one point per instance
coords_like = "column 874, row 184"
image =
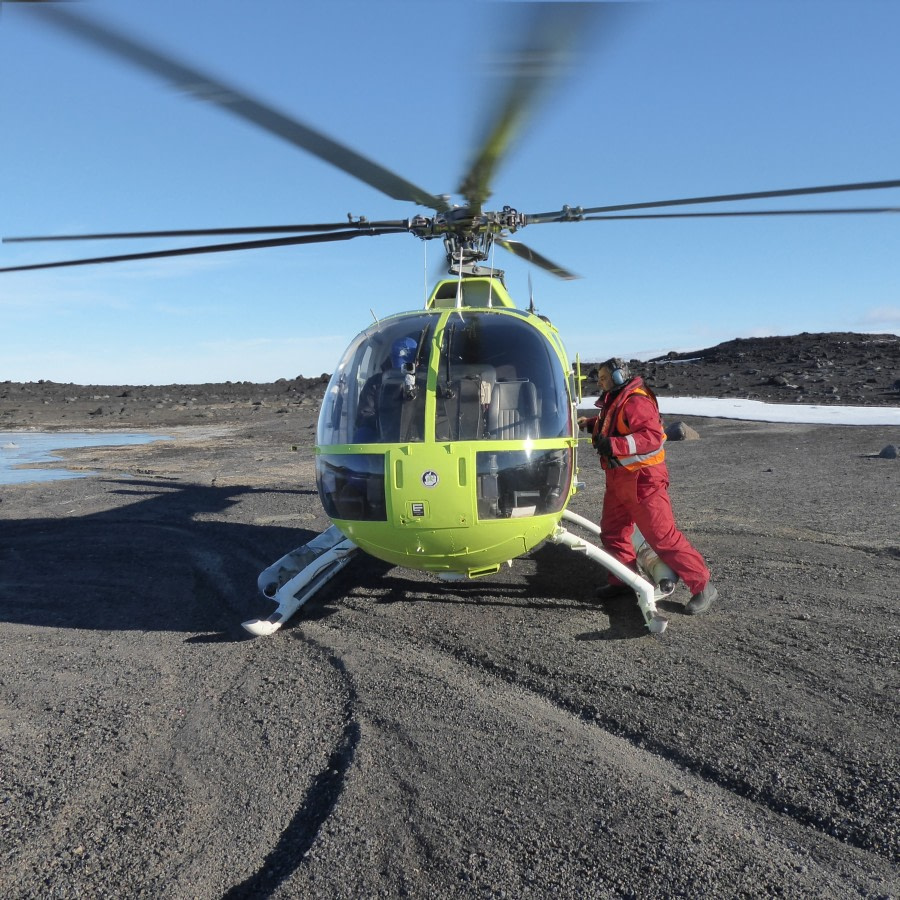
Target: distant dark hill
column 43, row 404
column 839, row 368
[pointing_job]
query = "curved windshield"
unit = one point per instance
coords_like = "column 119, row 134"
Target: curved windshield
column 498, row 378
column 377, row 392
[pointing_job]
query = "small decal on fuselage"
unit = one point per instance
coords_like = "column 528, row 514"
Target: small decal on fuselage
column 430, row 478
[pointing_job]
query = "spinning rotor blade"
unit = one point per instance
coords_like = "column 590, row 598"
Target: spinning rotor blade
column 568, row 213
column 546, row 52
column 753, row 212
column 200, row 232
column 526, row 253
column 203, row 87
column 212, row 248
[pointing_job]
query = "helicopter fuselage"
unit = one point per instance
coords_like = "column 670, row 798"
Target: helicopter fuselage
column 446, row 439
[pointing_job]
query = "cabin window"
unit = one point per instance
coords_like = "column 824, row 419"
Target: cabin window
column 352, row 487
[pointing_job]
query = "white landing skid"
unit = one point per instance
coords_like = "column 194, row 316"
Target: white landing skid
column 646, row 591
column 292, row 580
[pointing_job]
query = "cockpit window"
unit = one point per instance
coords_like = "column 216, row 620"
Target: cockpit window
column 498, row 379
column 377, row 393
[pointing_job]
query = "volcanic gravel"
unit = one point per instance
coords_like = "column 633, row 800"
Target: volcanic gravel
column 505, row 737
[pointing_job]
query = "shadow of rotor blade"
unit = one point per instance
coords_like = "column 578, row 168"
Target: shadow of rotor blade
column 547, row 50
column 210, row 248
column 209, row 90
column 526, row 253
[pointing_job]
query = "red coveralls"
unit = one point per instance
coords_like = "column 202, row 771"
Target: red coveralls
column 637, row 488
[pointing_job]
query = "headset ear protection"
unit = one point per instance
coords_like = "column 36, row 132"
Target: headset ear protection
column 618, row 371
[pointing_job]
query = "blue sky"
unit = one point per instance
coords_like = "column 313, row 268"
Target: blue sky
column 686, row 99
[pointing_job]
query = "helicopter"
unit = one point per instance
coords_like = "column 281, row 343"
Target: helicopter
column 447, row 439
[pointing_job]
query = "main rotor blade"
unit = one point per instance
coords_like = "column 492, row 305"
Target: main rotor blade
column 203, row 87
column 526, row 253
column 209, row 248
column 545, row 53
column 749, row 212
column 568, row 213
column 200, row 232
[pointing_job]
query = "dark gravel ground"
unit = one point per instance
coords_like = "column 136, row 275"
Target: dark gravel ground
column 402, row 737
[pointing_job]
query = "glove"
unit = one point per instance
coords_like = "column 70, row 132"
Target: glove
column 584, row 422
column 604, row 446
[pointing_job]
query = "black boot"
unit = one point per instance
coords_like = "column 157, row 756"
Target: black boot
column 701, row 601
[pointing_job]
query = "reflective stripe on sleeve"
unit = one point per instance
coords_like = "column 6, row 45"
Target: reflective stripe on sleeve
column 640, row 458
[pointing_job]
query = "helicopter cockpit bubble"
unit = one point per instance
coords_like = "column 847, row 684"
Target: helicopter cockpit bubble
column 485, row 380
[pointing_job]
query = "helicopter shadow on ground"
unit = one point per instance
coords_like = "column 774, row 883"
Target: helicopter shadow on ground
column 561, row 572
column 626, row 620
column 557, row 580
column 153, row 564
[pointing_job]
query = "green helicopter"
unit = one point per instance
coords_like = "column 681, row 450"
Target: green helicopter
column 447, row 438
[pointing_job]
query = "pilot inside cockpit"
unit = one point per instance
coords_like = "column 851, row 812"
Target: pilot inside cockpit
column 399, row 367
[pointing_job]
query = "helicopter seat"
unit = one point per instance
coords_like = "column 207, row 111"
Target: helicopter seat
column 400, row 417
column 513, row 411
column 466, row 397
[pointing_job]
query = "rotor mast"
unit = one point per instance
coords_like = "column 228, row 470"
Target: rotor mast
column 468, row 236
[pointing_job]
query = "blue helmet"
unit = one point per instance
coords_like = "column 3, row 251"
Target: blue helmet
column 403, row 351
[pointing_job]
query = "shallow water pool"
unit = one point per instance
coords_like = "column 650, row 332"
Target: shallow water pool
column 20, row 447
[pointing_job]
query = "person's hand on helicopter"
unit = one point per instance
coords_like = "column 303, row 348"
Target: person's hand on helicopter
column 602, row 445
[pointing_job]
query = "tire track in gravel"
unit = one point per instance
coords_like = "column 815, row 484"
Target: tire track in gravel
column 729, row 527
column 322, row 797
column 725, row 813
column 643, row 742
column 533, row 678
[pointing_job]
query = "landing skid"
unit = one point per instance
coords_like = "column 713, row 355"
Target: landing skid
column 292, row 580
column 297, row 576
column 647, row 592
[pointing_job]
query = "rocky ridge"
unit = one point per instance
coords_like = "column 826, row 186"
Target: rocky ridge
column 838, row 368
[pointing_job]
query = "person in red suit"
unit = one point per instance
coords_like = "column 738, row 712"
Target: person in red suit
column 628, row 434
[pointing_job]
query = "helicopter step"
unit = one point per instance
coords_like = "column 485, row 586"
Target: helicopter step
column 292, row 580
column 647, row 592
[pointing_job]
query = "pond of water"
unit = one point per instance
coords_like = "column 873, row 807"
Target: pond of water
column 19, row 447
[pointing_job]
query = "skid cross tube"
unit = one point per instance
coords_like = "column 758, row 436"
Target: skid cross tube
column 645, row 591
